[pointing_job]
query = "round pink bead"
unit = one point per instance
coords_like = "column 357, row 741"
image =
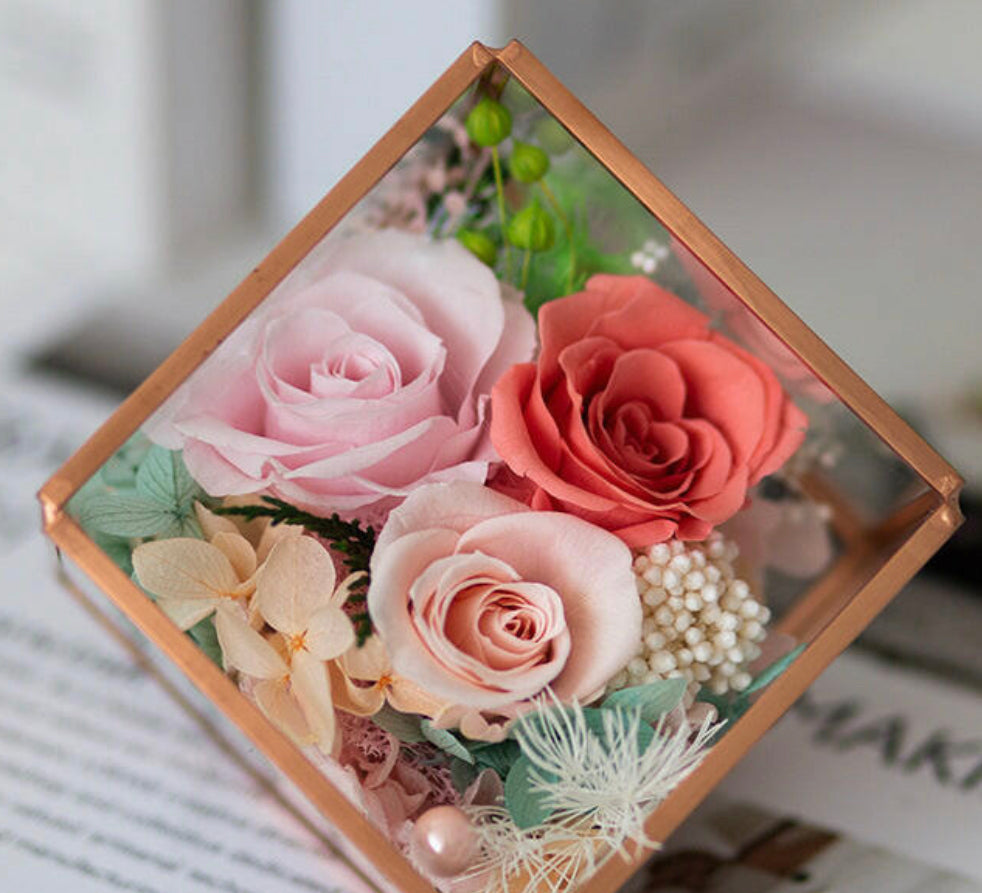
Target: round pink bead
column 443, row 841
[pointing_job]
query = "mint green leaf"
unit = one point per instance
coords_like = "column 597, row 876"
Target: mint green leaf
column 772, row 671
column 653, row 699
column 117, row 548
column 405, row 726
column 461, row 774
column 124, row 514
column 446, row 741
column 163, row 477
column 500, row 756
column 206, row 638
column 524, row 805
column 121, row 468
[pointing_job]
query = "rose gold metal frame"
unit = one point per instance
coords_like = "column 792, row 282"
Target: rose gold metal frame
column 876, row 564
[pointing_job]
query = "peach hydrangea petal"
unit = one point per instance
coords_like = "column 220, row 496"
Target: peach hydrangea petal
column 244, row 649
column 237, row 550
column 297, row 578
column 277, row 702
column 359, row 700
column 329, row 633
column 185, row 613
column 311, row 687
column 184, row 568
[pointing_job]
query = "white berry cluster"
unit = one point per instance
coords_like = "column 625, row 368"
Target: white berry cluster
column 700, row 621
column 649, row 257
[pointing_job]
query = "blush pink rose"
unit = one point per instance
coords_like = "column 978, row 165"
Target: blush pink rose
column 638, row 417
column 364, row 375
column 484, row 602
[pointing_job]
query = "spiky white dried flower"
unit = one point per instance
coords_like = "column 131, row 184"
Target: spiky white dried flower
column 602, row 787
column 548, row 858
column 701, row 621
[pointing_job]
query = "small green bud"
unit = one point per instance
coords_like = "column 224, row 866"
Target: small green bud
column 532, row 229
column 481, row 245
column 488, row 123
column 553, row 137
column 528, row 163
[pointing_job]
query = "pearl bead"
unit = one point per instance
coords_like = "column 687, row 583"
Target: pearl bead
column 443, row 841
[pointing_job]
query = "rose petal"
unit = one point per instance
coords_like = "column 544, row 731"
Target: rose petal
column 580, row 562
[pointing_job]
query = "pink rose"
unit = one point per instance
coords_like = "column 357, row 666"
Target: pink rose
column 638, row 417
column 362, row 376
column 484, row 603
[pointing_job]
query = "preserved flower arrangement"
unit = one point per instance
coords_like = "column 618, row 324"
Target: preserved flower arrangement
column 482, row 505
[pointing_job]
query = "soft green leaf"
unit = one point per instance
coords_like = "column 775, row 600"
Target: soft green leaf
column 163, row 477
column 525, row 805
column 446, row 741
column 772, row 671
column 121, row 468
column 125, row 515
column 461, row 774
column 405, row 726
column 206, row 637
column 117, row 548
column 499, row 756
column 653, row 699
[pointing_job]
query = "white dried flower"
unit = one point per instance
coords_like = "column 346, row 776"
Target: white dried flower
column 602, row 787
column 701, row 621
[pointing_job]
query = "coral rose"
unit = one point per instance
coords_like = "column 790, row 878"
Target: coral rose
column 365, row 374
column 640, row 418
column 483, row 603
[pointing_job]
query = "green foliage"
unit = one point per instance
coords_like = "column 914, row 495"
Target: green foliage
column 550, row 277
column 121, row 468
column 499, row 756
column 733, row 705
column 407, row 727
column 461, row 774
column 651, row 700
column 152, row 499
column 525, row 803
column 205, row 636
column 354, row 542
column 446, row 740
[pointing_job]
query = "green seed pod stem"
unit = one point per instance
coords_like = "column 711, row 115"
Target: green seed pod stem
column 489, row 123
column 531, row 228
column 528, row 163
column 481, row 245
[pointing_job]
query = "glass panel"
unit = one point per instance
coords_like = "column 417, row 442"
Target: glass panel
column 492, row 503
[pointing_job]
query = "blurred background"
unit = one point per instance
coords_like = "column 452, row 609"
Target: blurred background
column 155, row 150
